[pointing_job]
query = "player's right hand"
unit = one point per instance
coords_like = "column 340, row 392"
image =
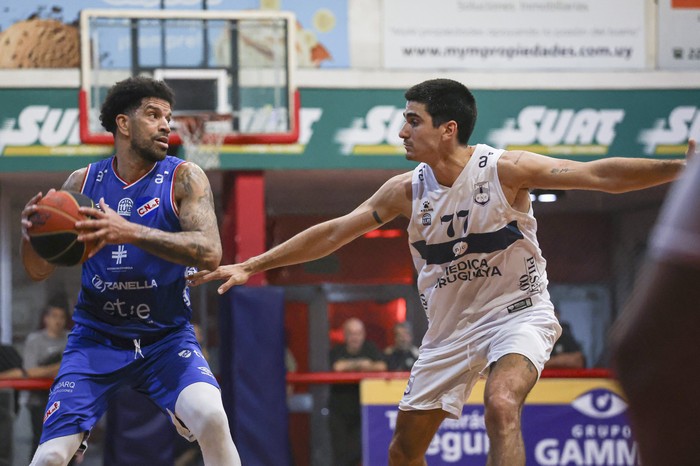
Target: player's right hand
column 105, row 226
column 234, row 274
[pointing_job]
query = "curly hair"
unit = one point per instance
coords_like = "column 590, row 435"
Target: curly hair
column 446, row 100
column 126, row 96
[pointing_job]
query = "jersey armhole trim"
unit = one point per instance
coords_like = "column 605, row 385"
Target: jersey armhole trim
column 172, row 188
column 85, row 177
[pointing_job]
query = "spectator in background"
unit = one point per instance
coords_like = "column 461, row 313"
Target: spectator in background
column 567, row 352
column 404, row 353
column 43, row 350
column 356, row 354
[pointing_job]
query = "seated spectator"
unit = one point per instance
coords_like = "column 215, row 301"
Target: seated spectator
column 11, row 366
column 43, row 350
column 402, row 355
column 356, row 354
column 567, row 352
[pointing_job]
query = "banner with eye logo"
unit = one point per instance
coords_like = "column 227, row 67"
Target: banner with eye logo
column 565, row 422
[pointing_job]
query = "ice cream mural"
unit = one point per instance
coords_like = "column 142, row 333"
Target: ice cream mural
column 40, row 43
column 37, row 34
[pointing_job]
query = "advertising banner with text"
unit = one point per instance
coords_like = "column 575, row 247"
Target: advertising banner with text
column 514, row 34
column 679, row 34
column 565, row 422
column 347, row 128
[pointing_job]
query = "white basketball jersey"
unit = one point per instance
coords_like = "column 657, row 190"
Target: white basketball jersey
column 475, row 255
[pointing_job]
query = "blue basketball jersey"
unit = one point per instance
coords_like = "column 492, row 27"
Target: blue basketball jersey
column 127, row 292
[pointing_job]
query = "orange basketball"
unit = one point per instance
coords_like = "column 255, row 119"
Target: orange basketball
column 53, row 235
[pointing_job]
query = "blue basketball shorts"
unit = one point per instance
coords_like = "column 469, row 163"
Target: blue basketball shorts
column 95, row 366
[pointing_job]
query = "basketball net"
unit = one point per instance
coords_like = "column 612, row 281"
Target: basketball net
column 202, row 136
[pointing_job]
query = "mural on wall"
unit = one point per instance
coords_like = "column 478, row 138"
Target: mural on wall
column 45, row 34
column 36, row 36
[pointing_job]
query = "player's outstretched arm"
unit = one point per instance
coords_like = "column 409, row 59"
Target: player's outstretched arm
column 527, row 170
column 197, row 244
column 391, row 200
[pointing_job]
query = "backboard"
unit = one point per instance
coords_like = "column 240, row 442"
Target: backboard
column 239, row 63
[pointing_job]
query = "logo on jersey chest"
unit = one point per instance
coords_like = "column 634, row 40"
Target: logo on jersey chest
column 119, row 254
column 460, row 248
column 482, row 193
column 124, row 207
column 425, row 209
column 148, row 206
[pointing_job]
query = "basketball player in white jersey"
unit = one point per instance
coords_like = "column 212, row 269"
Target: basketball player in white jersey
column 481, row 275
column 655, row 341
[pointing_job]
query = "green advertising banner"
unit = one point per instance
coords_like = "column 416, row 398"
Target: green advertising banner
column 358, row 129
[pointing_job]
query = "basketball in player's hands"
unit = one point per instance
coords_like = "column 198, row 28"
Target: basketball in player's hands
column 53, row 234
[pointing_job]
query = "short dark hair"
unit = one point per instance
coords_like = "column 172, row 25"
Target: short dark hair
column 56, row 302
column 126, row 96
column 446, row 100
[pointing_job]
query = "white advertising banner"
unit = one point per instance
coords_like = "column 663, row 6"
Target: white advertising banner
column 514, row 34
column 679, row 34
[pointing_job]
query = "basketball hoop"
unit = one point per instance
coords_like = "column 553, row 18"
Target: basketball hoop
column 202, row 135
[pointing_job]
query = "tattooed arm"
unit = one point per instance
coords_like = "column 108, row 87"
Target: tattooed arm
column 520, row 171
column 391, row 200
column 198, row 244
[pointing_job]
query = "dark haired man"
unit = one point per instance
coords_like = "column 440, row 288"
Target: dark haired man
column 355, row 354
column 403, row 354
column 132, row 320
column 481, row 275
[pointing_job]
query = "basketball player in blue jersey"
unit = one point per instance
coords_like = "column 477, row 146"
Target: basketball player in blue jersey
column 481, row 274
column 132, row 320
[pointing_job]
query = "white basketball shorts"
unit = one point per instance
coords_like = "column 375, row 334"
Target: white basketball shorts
column 443, row 378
